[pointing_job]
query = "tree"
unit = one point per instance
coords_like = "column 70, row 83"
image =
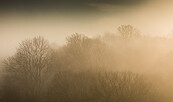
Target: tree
column 78, row 43
column 128, row 32
column 125, row 87
column 27, row 68
column 85, row 52
column 101, row 86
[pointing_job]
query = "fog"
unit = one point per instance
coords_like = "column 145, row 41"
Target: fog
column 92, row 50
column 152, row 17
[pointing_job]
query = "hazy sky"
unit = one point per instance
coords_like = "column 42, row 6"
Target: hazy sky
column 56, row 19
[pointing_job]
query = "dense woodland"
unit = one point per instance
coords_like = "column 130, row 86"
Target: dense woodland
column 122, row 67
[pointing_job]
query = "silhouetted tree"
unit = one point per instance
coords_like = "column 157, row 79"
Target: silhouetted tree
column 128, row 31
column 85, row 52
column 26, row 70
column 101, row 86
column 125, row 87
column 77, row 44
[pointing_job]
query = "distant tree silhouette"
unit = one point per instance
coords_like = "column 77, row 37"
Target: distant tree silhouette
column 77, row 44
column 87, row 52
column 128, row 31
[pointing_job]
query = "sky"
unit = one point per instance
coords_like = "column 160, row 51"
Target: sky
column 57, row 19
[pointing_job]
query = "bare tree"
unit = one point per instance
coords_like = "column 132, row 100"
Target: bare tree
column 78, row 43
column 125, row 87
column 77, row 50
column 85, row 52
column 128, row 31
column 28, row 66
column 101, row 86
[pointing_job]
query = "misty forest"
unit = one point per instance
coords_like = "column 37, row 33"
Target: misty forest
column 122, row 67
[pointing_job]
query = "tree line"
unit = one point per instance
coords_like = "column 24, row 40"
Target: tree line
column 76, row 72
